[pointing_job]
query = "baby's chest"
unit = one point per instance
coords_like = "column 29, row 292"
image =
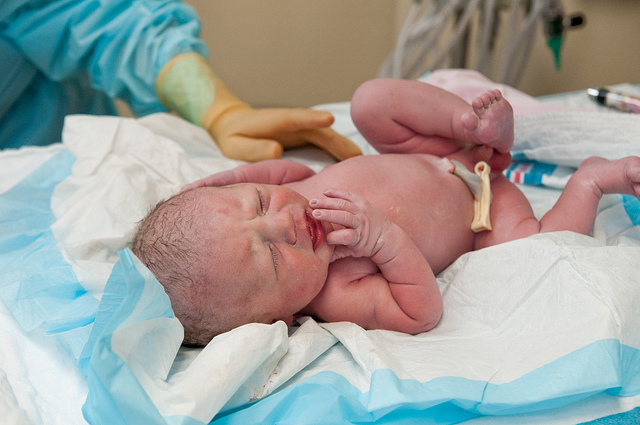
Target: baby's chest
column 435, row 208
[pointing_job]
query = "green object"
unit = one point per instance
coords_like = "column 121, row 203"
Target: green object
column 555, row 44
column 187, row 86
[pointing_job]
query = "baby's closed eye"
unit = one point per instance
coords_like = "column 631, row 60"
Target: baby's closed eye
column 261, row 202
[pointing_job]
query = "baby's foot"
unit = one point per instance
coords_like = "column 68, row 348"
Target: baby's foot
column 619, row 176
column 491, row 122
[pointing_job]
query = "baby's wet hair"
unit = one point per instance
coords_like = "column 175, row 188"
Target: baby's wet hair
column 168, row 243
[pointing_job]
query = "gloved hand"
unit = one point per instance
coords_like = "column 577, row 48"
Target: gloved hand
column 188, row 86
column 258, row 134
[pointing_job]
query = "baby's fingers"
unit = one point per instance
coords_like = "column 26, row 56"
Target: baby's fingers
column 340, row 217
column 332, row 203
column 219, row 179
column 345, row 237
column 340, row 194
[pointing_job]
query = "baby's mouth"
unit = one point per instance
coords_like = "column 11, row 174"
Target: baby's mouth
column 316, row 231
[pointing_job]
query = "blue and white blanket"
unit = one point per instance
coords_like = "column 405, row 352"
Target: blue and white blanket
column 540, row 330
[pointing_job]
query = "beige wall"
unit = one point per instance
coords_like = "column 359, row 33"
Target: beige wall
column 306, row 52
column 296, row 52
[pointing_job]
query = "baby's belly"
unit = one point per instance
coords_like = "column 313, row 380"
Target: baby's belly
column 432, row 205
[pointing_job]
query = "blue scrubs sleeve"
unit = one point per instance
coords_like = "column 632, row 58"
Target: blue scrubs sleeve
column 120, row 44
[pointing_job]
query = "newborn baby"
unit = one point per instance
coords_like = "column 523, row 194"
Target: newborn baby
column 363, row 239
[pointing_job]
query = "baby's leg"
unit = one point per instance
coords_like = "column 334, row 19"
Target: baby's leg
column 576, row 209
column 403, row 116
column 577, row 206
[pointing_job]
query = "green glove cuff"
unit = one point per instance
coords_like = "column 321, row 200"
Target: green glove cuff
column 186, row 85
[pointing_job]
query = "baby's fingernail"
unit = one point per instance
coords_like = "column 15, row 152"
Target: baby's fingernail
column 317, row 213
column 313, row 202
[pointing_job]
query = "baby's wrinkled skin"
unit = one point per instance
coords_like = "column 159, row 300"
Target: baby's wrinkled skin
column 363, row 239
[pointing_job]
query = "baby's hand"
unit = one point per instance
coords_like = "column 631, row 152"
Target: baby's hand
column 362, row 223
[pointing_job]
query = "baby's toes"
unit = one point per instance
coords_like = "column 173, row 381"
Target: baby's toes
column 496, row 94
column 487, row 98
column 469, row 121
column 477, row 104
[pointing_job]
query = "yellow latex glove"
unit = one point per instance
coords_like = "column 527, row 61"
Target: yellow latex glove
column 188, row 86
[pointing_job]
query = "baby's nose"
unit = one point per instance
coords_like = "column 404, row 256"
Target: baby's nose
column 282, row 226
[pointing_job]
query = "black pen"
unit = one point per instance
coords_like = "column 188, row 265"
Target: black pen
column 619, row 101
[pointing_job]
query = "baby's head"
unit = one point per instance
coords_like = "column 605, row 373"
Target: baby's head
column 233, row 255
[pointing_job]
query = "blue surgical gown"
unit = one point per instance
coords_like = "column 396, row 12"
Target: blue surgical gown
column 60, row 57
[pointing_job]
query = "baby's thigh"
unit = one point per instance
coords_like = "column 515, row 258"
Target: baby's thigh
column 511, row 215
column 418, row 144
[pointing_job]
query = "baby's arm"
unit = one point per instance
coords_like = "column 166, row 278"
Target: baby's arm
column 399, row 294
column 276, row 171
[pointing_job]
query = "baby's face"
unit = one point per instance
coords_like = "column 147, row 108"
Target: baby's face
column 264, row 244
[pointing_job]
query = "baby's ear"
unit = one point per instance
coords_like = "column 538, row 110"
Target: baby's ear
column 287, row 320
